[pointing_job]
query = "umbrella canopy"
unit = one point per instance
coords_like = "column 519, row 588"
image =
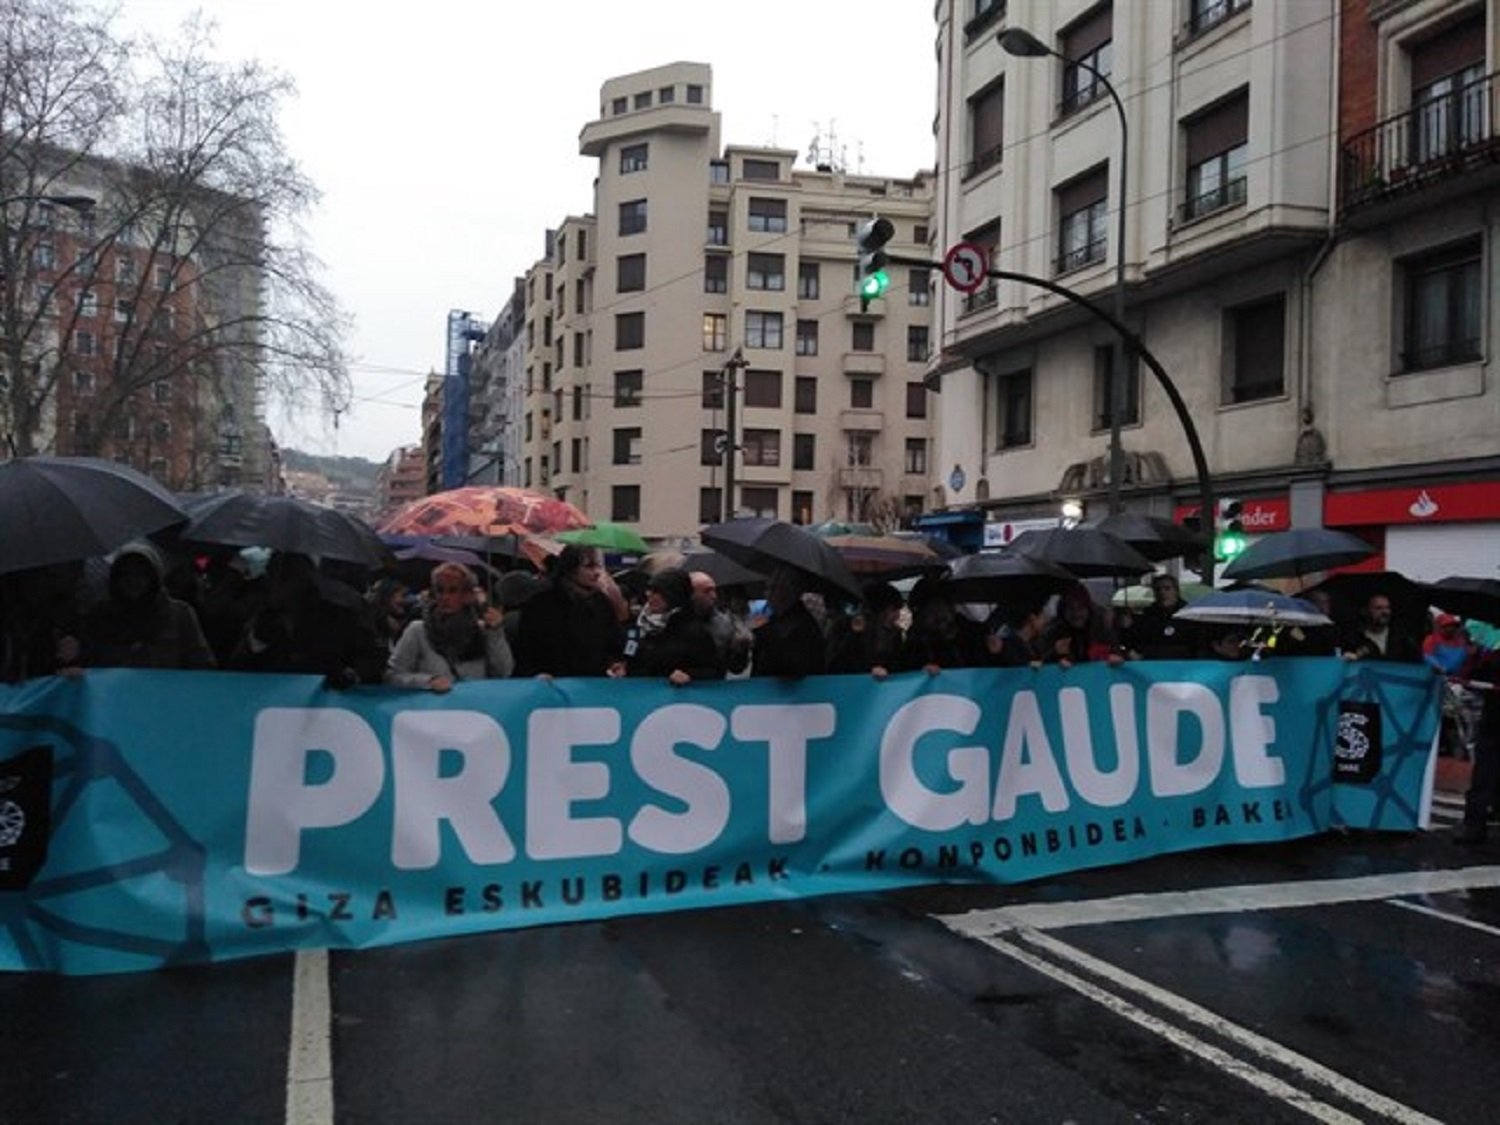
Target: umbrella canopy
column 1085, row 551
column 1302, row 550
column 764, row 544
column 606, row 536
column 839, row 527
column 723, row 570
column 485, row 510
column 1351, row 590
column 283, row 523
column 58, row 509
column 1006, row 576
column 885, row 556
column 517, row 545
column 1152, row 536
column 1252, row 607
column 1478, row 598
column 1140, row 596
column 414, row 564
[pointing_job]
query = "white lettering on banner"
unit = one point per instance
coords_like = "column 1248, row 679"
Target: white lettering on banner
column 1252, row 732
column 1023, row 772
column 1100, row 789
column 1166, row 738
column 786, row 732
column 703, row 791
column 426, row 798
column 554, row 781
column 904, row 793
column 282, row 804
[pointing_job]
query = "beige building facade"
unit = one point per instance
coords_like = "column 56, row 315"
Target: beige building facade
column 707, row 272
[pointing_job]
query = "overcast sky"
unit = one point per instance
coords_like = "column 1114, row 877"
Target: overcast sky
column 444, row 139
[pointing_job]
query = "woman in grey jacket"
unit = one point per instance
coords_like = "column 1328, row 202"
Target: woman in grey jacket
column 452, row 640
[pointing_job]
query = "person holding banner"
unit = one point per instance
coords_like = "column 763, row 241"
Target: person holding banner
column 869, row 640
column 138, row 625
column 453, row 639
column 671, row 639
column 788, row 642
column 571, row 628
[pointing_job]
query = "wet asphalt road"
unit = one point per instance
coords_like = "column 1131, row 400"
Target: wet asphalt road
column 849, row 1009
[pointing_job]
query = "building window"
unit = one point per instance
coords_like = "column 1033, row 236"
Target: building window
column 919, row 234
column 582, row 252
column 919, row 287
column 84, row 343
column 760, row 169
column 124, row 310
column 619, row 106
column 804, row 452
column 802, row 507
column 916, row 343
column 577, row 403
column 718, row 171
column 630, row 331
column 125, row 270
column 628, row 388
column 88, row 303
column 916, row 400
column 643, row 100
column 807, row 337
column 1257, row 339
column 805, row 395
column 1216, row 147
column 1444, row 307
column 718, row 228
column 861, row 394
column 715, row 332
column 761, row 447
column 987, row 238
column 43, row 256
column 715, row 273
column 1083, row 236
column 763, row 388
column 768, row 215
column 1104, row 387
column 666, row 95
column 164, row 278
column 807, row 281
column 161, row 392
column 575, row 454
column 759, row 502
column 915, row 463
column 765, row 271
column 625, row 503
column 627, row 446
column 161, row 431
column 710, row 505
column 633, row 158
column 986, row 126
column 632, row 217
column 578, row 349
column 713, row 390
column 763, row 330
column 861, row 448
column 1204, row 14
column 694, row 94
column 83, row 383
column 1086, row 44
column 630, row 273
column 862, row 336
column 1450, row 106
column 1012, row 422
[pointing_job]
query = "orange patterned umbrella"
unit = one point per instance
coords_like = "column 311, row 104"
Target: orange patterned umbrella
column 485, row 510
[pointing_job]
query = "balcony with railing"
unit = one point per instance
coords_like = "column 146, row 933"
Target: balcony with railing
column 1432, row 143
column 1228, row 194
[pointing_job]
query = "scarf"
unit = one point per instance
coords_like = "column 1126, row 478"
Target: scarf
column 455, row 637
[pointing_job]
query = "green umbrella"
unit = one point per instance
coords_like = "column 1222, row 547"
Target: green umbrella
column 606, row 536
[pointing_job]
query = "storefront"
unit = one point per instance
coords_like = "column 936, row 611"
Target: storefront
column 1425, row 532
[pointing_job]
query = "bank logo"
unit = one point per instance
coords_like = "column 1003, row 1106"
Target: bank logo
column 1424, row 506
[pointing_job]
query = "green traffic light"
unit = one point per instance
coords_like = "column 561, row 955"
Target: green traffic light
column 1230, row 545
column 875, row 285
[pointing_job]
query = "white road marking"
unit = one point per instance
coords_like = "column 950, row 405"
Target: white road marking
column 1446, row 917
column 1267, row 1050
column 1221, row 900
column 309, row 1064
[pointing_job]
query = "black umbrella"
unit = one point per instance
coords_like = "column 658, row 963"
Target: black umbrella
column 1085, row 551
column 1302, row 550
column 1152, row 536
column 1005, row 577
column 1352, row 589
column 58, row 509
column 764, row 544
column 1478, row 598
column 284, row 523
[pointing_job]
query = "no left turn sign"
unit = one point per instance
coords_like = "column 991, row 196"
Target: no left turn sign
column 965, row 266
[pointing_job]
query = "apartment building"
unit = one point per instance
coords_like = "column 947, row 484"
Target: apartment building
column 1318, row 304
column 706, row 271
column 402, row 479
column 496, row 391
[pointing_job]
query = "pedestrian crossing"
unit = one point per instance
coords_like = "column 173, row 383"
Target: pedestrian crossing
column 1447, row 810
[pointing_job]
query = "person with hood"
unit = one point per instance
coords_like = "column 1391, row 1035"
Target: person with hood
column 452, row 640
column 788, row 643
column 669, row 639
column 571, row 628
column 138, row 625
column 938, row 636
column 1078, row 634
column 870, row 640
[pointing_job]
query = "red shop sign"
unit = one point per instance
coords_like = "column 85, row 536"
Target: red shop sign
column 1435, row 503
column 1258, row 515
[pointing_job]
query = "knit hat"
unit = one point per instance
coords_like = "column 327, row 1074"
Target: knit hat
column 674, row 585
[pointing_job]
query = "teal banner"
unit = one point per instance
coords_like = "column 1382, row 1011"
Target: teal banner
column 157, row 818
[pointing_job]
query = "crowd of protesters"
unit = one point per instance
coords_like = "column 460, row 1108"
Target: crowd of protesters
column 258, row 611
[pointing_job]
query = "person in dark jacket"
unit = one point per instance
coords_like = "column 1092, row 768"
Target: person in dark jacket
column 730, row 633
column 1017, row 643
column 789, row 642
column 870, row 640
column 1155, row 633
column 671, row 640
column 310, row 625
column 1377, row 638
column 138, row 625
column 938, row 637
column 571, row 628
column 1079, row 634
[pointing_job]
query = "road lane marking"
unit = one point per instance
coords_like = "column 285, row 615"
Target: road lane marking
column 1221, row 900
column 1267, row 1083
column 1267, row 1050
column 309, row 1064
column 1446, row 917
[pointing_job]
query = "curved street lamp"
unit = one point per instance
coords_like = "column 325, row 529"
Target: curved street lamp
column 1021, row 43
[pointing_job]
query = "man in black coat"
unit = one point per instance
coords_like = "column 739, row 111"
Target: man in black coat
column 789, row 642
column 670, row 639
column 1156, row 634
column 570, row 628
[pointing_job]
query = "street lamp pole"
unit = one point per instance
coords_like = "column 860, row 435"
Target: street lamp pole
column 1022, row 44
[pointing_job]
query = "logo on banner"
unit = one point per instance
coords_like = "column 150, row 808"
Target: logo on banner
column 1356, row 753
column 25, row 816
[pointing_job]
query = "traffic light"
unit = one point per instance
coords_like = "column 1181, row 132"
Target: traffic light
column 1229, row 537
column 871, row 278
